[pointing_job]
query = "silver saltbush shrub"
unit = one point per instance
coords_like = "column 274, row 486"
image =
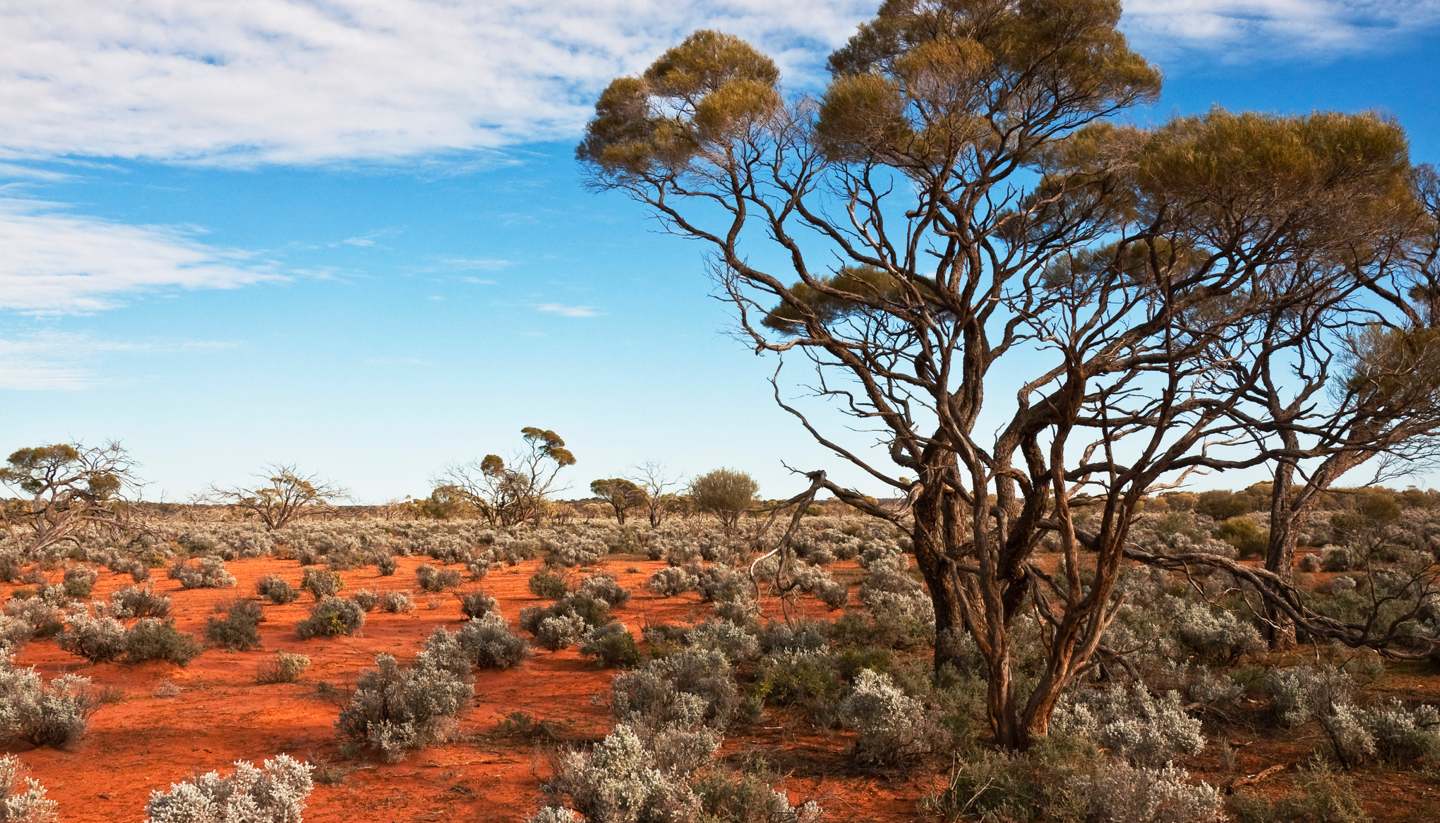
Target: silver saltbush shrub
column 23, row 799
column 42, row 713
column 1122, row 793
column 274, row 792
column 396, row 709
column 1133, row 724
column 891, row 726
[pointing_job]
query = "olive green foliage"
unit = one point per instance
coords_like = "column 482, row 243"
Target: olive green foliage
column 509, row 493
column 620, row 494
column 725, row 493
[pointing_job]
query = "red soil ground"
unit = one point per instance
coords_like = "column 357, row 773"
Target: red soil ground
column 168, row 723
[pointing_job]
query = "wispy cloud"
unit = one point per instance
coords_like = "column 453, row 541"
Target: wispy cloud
column 58, row 262
column 564, row 310
column 65, row 361
column 293, row 81
column 1237, row 30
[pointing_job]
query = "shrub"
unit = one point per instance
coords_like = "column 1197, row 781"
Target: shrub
column 23, row 799
column 239, row 629
column 890, row 726
column 548, row 585
column 1132, row 724
column 477, row 604
column 612, row 646
column 332, row 617
column 366, row 599
column 559, row 631
column 489, row 643
column 1247, row 536
column 277, row 590
column 385, row 565
column 1298, row 694
column 604, row 587
column 1216, row 636
column 207, row 573
column 396, row 602
column 749, row 797
column 1336, row 559
column 807, row 680
column 78, row 582
column 97, row 639
column 153, row 638
column 1066, row 778
column 275, row 792
column 321, row 583
column 562, row 624
column 619, row 781
column 432, row 579
column 42, row 713
column 1151, row 795
column 736, row 642
column 134, row 601
column 44, row 618
column 395, row 709
column 670, row 581
column 1403, row 735
column 1323, row 797
column 653, row 693
column 725, row 493
column 284, row 667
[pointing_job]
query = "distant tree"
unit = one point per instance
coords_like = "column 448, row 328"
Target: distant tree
column 660, row 491
column 725, row 493
column 445, row 502
column 620, row 494
column 70, row 489
column 284, row 496
column 507, row 494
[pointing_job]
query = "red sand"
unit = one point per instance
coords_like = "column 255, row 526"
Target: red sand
column 147, row 741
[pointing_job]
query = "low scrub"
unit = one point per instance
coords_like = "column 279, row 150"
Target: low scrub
column 274, row 792
column 332, row 617
column 396, row 709
column 22, row 798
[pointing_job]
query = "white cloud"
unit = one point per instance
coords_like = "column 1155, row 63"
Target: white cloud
column 447, row 83
column 1275, row 29
column 57, row 262
column 63, row 361
column 567, row 311
column 299, row 82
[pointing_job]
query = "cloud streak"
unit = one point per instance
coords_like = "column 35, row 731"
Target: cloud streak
column 564, row 310
column 64, row 361
column 58, row 262
column 287, row 81
column 1242, row 30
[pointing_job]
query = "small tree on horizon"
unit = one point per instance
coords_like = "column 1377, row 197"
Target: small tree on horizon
column 70, row 488
column 508, row 494
column 660, row 491
column 286, row 495
column 725, row 493
column 620, row 494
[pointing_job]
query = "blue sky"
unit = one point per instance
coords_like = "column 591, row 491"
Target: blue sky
column 352, row 235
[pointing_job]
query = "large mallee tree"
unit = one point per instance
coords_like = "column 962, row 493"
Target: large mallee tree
column 1031, row 303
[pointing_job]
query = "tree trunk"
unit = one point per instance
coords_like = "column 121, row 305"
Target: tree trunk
column 929, row 538
column 1278, row 630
